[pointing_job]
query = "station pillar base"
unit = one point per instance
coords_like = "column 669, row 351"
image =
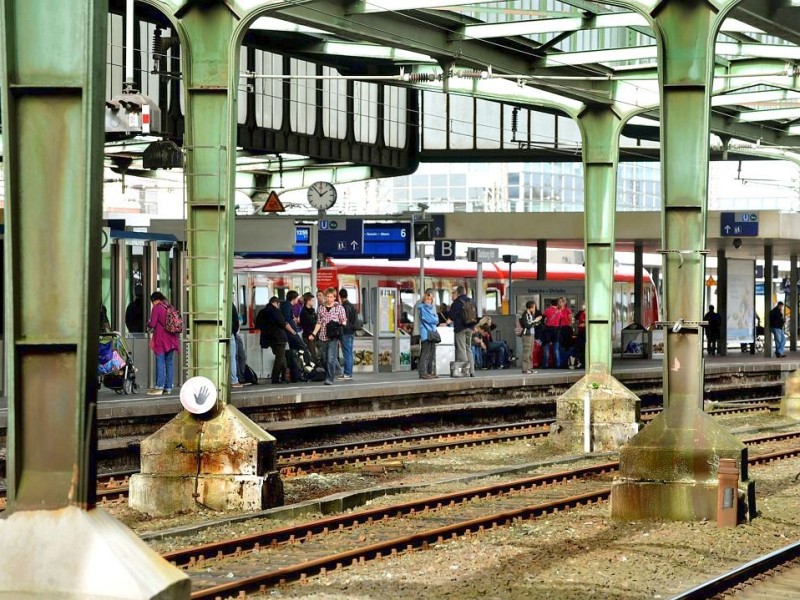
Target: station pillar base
column 73, row 553
column 614, row 415
column 790, row 403
column 223, row 462
column 668, row 472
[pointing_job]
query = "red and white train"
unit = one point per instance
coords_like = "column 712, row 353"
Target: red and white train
column 258, row 280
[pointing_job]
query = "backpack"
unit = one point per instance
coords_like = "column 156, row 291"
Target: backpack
column 174, row 322
column 353, row 322
column 249, row 376
column 469, row 312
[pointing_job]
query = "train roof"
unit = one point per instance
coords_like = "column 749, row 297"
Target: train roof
column 433, row 268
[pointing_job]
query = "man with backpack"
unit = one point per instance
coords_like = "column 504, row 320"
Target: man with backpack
column 349, row 334
column 463, row 315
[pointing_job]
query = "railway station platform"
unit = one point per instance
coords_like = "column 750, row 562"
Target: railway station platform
column 381, row 400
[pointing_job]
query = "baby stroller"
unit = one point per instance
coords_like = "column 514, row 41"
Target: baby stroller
column 115, row 367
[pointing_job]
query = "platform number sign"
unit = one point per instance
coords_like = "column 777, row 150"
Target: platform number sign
column 444, row 249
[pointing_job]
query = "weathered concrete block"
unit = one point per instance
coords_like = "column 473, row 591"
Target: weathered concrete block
column 614, row 418
column 82, row 554
column 669, row 471
column 224, row 462
column 790, row 403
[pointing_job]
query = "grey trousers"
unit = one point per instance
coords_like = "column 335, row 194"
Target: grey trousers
column 463, row 342
column 427, row 359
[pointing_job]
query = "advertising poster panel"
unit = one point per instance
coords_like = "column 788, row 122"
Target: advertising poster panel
column 740, row 320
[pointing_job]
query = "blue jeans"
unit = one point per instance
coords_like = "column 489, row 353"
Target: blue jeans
column 347, row 353
column 164, row 369
column 330, row 355
column 234, row 368
column 780, row 340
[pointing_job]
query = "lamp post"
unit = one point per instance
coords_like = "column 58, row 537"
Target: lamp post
column 510, row 259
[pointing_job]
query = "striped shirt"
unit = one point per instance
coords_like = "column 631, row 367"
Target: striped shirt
column 325, row 316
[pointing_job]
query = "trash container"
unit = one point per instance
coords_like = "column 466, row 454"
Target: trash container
column 637, row 341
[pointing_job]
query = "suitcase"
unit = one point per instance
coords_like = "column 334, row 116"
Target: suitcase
column 536, row 354
column 459, row 368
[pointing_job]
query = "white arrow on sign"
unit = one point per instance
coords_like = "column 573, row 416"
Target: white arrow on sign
column 354, row 244
column 727, row 228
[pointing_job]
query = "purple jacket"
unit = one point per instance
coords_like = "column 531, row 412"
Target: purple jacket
column 163, row 341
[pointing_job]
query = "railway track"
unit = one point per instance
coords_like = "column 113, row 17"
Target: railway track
column 313, row 548
column 369, row 535
column 774, row 575
column 297, row 462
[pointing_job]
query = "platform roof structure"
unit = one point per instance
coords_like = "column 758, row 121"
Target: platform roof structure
column 552, row 56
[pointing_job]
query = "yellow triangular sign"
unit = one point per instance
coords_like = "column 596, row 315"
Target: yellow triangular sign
column 273, row 204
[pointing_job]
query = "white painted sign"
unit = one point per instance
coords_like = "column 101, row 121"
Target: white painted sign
column 198, row 395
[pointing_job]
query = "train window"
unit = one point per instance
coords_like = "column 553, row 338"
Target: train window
column 492, row 300
column 353, row 295
column 407, row 301
column 261, row 296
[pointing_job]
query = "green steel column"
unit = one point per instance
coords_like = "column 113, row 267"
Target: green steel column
column 53, row 78
column 669, row 470
column 686, row 59
column 210, row 205
column 600, row 128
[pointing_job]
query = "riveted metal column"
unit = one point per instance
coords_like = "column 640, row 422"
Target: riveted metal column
column 52, row 86
column 600, row 127
column 222, row 459
column 722, row 299
column 685, row 62
column 669, row 470
column 210, row 206
column 613, row 410
column 53, row 79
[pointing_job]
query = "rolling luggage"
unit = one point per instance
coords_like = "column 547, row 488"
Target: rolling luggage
column 536, row 354
column 459, row 368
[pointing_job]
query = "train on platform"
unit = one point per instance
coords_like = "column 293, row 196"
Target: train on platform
column 501, row 293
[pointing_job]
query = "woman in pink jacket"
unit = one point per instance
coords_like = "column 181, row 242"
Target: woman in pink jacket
column 163, row 344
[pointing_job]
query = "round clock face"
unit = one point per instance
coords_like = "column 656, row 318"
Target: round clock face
column 321, row 195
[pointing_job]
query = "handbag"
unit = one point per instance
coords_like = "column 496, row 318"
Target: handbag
column 434, row 337
column 334, row 330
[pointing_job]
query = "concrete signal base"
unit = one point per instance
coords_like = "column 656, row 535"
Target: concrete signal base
column 790, row 403
column 222, row 462
column 614, row 415
column 79, row 554
column 668, row 472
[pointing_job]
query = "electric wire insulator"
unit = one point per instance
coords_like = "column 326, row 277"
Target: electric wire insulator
column 420, row 77
column 514, row 119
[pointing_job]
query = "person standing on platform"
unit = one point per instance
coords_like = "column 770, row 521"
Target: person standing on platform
column 462, row 327
column 272, row 325
column 234, row 349
column 428, row 321
column 552, row 342
column 292, row 330
column 713, row 329
column 328, row 334
column 777, row 322
column 581, row 340
column 163, row 344
column 528, row 321
column 134, row 312
column 308, row 320
column 349, row 335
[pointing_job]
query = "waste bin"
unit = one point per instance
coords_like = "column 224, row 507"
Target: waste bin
column 637, row 341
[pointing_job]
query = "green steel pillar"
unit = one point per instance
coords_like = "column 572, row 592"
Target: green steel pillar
column 600, row 129
column 53, row 80
column 209, row 228
column 613, row 409
column 221, row 459
column 669, row 470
